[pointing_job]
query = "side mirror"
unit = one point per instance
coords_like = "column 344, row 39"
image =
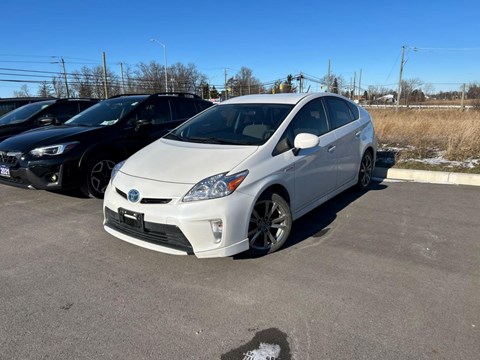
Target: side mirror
column 142, row 123
column 47, row 121
column 306, row 141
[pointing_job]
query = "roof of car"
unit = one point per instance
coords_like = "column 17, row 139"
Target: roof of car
column 287, row 98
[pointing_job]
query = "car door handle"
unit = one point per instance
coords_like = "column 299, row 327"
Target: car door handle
column 358, row 133
column 331, row 148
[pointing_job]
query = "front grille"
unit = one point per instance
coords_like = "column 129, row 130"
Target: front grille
column 145, row 200
column 160, row 234
column 8, row 158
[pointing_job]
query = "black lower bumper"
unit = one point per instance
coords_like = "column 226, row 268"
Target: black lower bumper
column 160, row 234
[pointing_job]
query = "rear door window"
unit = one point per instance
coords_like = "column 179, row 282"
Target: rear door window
column 157, row 111
column 338, row 111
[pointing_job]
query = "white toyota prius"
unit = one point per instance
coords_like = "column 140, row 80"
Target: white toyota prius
column 234, row 177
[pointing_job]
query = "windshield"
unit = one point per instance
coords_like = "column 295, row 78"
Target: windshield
column 24, row 112
column 239, row 124
column 106, row 112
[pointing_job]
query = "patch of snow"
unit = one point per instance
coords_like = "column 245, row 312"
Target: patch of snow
column 264, row 352
column 386, row 155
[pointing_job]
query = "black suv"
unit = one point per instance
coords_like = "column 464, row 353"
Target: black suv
column 41, row 113
column 82, row 152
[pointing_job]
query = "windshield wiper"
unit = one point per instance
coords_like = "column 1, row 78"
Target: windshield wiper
column 174, row 136
column 212, row 140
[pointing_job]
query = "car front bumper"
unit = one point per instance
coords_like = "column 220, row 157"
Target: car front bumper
column 52, row 174
column 181, row 227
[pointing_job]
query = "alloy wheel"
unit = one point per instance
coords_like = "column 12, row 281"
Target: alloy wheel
column 366, row 170
column 270, row 224
column 100, row 175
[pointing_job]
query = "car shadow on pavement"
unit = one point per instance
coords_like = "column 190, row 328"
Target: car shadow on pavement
column 74, row 193
column 316, row 222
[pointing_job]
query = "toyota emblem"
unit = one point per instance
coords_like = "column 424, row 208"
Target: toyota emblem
column 133, row 195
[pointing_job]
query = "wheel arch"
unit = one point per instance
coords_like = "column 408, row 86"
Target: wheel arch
column 117, row 151
column 277, row 189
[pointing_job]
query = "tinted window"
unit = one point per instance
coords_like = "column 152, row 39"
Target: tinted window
column 354, row 110
column 338, row 111
column 310, row 119
column 156, row 110
column 202, row 105
column 183, row 108
column 106, row 112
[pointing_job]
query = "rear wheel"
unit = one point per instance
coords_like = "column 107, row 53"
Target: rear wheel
column 97, row 175
column 270, row 224
column 366, row 171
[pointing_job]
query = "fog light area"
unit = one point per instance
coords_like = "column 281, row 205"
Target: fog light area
column 53, row 178
column 217, row 229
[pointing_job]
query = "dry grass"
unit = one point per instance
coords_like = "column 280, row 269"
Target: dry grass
column 428, row 131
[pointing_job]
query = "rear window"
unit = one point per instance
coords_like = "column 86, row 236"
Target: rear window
column 354, row 110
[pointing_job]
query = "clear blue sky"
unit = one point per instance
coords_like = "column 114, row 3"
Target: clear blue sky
column 273, row 38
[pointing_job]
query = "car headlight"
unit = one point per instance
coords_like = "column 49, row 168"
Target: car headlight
column 53, row 150
column 116, row 169
column 215, row 186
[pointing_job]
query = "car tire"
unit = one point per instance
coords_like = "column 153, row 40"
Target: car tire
column 366, row 171
column 96, row 175
column 270, row 224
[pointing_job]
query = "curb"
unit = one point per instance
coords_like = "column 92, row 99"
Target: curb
column 423, row 176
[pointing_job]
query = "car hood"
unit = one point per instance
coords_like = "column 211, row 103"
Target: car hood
column 50, row 135
column 184, row 162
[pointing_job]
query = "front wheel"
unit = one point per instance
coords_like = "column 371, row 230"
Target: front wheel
column 270, row 224
column 97, row 176
column 366, row 171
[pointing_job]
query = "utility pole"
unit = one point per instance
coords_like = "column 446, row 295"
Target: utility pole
column 399, row 91
column 65, row 77
column 105, row 76
column 463, row 97
column 225, row 84
column 354, row 81
column 359, row 85
column 123, row 80
column 328, row 77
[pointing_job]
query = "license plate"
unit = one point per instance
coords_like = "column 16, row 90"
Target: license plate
column 4, row 171
column 131, row 218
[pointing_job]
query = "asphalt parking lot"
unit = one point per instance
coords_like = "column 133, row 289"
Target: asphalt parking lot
column 393, row 273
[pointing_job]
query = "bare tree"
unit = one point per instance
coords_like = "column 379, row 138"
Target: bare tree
column 150, row 78
column 428, row 89
column 243, row 83
column 408, row 86
column 23, row 92
column 58, row 87
column 186, row 78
